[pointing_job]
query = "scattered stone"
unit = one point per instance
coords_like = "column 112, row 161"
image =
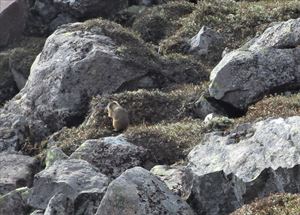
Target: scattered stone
column 203, row 107
column 217, row 122
column 207, row 43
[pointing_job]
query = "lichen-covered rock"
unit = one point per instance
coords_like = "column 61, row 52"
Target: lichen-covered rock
column 227, row 171
column 54, row 154
column 172, row 176
column 269, row 63
column 16, row 171
column 111, row 155
column 72, row 178
column 137, row 191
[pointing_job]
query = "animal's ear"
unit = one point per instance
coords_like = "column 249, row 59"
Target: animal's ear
column 107, row 107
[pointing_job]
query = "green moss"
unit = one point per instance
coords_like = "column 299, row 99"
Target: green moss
column 276, row 204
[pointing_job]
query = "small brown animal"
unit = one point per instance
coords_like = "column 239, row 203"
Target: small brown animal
column 119, row 116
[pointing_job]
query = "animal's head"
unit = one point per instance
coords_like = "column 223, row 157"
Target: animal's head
column 112, row 105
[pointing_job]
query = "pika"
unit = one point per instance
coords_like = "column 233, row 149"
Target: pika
column 119, row 116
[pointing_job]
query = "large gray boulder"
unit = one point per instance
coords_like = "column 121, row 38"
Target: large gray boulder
column 227, row 171
column 111, row 155
column 269, row 63
column 16, row 171
column 73, row 178
column 137, row 191
column 78, row 62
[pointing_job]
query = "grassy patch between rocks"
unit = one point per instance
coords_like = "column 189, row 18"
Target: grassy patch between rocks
column 159, row 22
column 273, row 106
column 146, row 108
column 276, row 204
column 236, row 21
column 167, row 142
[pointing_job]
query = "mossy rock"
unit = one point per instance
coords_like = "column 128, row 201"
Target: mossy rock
column 159, row 22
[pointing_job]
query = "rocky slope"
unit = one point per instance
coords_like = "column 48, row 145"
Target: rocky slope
column 212, row 92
